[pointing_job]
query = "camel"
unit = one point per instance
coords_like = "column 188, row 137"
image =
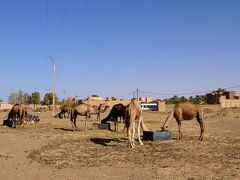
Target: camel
column 101, row 111
column 186, row 111
column 84, row 110
column 132, row 113
column 64, row 109
column 116, row 112
column 71, row 101
column 18, row 112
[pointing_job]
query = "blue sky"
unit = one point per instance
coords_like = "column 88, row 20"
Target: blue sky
column 111, row 47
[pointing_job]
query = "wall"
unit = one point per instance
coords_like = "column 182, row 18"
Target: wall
column 109, row 103
column 161, row 106
column 226, row 103
column 6, row 106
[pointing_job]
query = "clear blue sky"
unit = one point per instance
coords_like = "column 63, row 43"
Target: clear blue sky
column 111, row 47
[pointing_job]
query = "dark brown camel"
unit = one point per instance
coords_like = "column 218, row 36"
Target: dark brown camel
column 116, row 112
column 17, row 113
column 186, row 111
column 84, row 110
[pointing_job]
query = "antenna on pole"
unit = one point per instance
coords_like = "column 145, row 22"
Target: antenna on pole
column 53, row 85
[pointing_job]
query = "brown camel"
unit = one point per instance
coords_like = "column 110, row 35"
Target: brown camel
column 84, row 110
column 17, row 113
column 186, row 111
column 65, row 109
column 132, row 113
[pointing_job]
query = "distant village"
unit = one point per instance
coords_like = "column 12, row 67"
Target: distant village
column 221, row 97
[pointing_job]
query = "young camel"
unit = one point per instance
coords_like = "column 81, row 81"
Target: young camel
column 101, row 110
column 64, row 109
column 132, row 113
column 84, row 110
column 186, row 111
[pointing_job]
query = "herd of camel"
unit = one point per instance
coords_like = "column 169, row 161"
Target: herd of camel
column 130, row 113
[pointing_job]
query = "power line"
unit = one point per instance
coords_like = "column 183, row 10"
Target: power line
column 126, row 95
column 47, row 17
column 170, row 94
column 62, row 23
column 76, row 26
column 185, row 93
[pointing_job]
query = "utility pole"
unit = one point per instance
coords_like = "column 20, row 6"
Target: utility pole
column 137, row 93
column 53, row 85
column 64, row 93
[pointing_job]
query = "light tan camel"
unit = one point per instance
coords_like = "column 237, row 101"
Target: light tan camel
column 84, row 110
column 132, row 113
column 186, row 111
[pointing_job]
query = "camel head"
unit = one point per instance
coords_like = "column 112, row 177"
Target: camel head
column 102, row 107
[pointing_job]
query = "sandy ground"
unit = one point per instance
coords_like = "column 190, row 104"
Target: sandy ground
column 50, row 150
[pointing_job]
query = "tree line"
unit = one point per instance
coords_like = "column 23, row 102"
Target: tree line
column 195, row 100
column 35, row 98
column 21, row 97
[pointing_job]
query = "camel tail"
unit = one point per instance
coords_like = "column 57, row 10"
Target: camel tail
column 165, row 125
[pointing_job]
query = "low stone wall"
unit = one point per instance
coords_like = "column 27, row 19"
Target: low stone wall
column 6, row 106
column 226, row 103
column 109, row 103
column 161, row 106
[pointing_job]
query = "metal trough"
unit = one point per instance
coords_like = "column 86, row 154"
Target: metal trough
column 97, row 126
column 157, row 135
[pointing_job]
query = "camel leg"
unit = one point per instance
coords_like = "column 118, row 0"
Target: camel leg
column 72, row 114
column 129, row 129
column 117, row 126
column 86, row 123
column 179, row 128
column 133, row 133
column 71, row 119
column 202, row 127
column 99, row 117
column 139, row 124
column 14, row 122
column 74, row 121
column 115, row 123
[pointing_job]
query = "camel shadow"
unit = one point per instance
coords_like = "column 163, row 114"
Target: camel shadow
column 104, row 142
column 63, row 129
